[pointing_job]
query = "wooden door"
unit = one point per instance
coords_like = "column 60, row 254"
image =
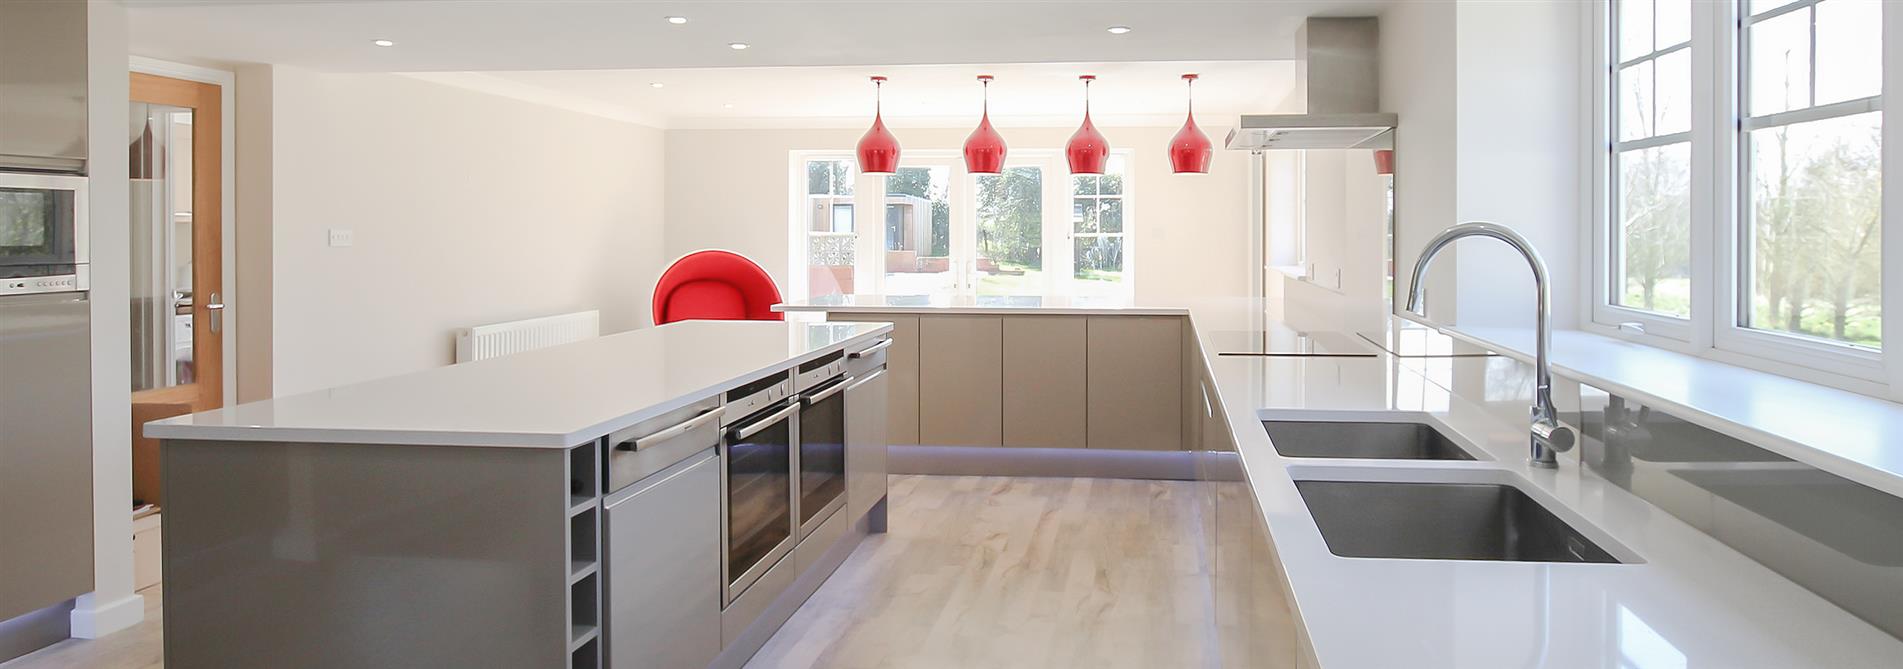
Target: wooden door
column 175, row 149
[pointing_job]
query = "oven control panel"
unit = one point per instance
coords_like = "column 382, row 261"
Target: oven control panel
column 43, row 284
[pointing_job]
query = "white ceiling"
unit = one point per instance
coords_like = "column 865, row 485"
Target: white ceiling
column 487, row 35
column 1024, row 95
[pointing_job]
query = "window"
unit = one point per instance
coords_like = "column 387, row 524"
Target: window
column 1743, row 220
column 1651, row 250
column 828, row 235
column 1097, row 236
column 1034, row 229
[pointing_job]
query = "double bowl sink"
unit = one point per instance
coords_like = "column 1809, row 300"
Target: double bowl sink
column 1462, row 514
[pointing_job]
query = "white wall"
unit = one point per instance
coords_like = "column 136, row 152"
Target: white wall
column 467, row 208
column 111, row 606
column 728, row 189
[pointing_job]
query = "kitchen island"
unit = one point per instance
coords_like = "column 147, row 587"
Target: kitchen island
column 640, row 499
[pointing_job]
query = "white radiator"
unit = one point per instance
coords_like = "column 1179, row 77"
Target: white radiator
column 488, row 341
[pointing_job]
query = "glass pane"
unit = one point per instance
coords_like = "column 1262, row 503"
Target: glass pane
column 831, row 237
column 1780, row 63
column 1815, row 229
column 1762, row 6
column 161, row 246
column 1635, row 101
column 1084, row 184
column 1635, row 28
column 1674, row 23
column 918, row 231
column 1674, row 92
column 1011, row 232
column 1099, row 264
column 829, row 177
column 1110, row 218
column 1849, row 50
column 1084, row 215
column 1653, row 259
column 1111, row 183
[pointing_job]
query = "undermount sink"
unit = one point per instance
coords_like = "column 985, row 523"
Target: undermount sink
column 1442, row 521
column 1383, row 441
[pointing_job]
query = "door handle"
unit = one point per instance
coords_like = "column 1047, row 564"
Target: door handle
column 217, row 308
column 869, row 350
column 821, row 396
column 740, row 433
column 684, row 427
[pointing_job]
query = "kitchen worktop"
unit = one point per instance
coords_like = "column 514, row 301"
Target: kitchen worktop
column 1681, row 599
column 982, row 304
column 548, row 398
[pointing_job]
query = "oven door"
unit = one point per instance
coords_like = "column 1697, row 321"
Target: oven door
column 757, row 485
column 822, row 461
column 42, row 225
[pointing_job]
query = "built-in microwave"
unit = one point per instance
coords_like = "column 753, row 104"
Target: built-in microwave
column 43, row 233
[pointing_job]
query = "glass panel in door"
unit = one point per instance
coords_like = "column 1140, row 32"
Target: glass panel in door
column 1097, row 231
column 1010, row 227
column 162, row 240
column 759, row 496
column 918, row 231
column 822, row 453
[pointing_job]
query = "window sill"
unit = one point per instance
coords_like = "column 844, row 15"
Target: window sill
column 1845, row 433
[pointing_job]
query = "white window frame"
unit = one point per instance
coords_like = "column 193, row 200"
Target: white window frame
column 869, row 196
column 1718, row 228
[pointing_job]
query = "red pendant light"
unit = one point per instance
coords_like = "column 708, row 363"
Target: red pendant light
column 1190, row 150
column 984, row 149
column 878, row 149
column 1087, row 150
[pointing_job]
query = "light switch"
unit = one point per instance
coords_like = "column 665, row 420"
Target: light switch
column 342, row 236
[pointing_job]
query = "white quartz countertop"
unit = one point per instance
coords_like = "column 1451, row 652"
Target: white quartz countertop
column 1682, row 599
column 981, row 304
column 554, row 397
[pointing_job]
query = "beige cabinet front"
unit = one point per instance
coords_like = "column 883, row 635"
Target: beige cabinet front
column 961, row 361
column 1044, row 381
column 866, row 401
column 1135, row 392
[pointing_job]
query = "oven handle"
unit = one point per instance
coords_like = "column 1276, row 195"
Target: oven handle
column 743, row 432
column 869, row 350
column 684, row 427
column 811, row 399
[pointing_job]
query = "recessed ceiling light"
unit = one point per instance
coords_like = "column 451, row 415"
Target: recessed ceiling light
column 738, row 46
column 383, row 42
column 656, row 85
column 727, row 106
column 677, row 20
column 1118, row 30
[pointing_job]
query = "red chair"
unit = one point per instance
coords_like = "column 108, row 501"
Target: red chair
column 715, row 285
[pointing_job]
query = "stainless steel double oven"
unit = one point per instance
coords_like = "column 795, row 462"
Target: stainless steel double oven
column 784, row 457
column 43, row 233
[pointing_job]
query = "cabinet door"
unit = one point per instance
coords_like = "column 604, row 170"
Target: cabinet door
column 1044, row 381
column 901, row 368
column 961, row 382
column 663, row 567
column 866, row 401
column 1135, row 394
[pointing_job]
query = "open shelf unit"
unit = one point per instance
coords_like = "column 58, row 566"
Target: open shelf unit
column 583, row 508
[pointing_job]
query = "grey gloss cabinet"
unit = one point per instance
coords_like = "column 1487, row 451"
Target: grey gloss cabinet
column 1044, row 382
column 866, row 402
column 43, row 63
column 902, row 374
column 664, row 546
column 960, row 366
column 1135, row 390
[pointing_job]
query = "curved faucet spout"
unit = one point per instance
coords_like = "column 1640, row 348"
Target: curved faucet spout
column 1548, row 435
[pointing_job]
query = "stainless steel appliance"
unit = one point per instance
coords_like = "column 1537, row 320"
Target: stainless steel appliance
column 822, row 439
column 663, row 542
column 758, row 497
column 43, row 234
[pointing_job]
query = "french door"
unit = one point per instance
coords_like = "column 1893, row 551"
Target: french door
column 934, row 229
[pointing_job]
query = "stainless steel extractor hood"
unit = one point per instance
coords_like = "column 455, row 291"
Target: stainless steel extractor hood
column 1342, row 95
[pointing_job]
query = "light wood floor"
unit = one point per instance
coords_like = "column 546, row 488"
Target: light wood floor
column 1018, row 572
column 976, row 572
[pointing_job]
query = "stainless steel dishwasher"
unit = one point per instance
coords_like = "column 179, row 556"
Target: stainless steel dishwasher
column 663, row 541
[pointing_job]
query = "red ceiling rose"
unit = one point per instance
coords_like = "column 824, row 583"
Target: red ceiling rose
column 1190, row 150
column 1087, row 150
column 878, row 149
column 984, row 149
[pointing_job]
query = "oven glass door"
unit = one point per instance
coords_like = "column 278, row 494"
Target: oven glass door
column 822, row 450
column 759, row 492
column 37, row 229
